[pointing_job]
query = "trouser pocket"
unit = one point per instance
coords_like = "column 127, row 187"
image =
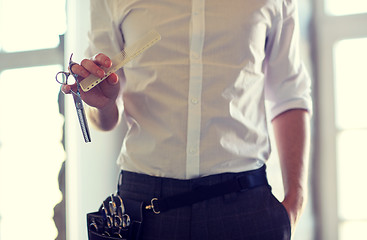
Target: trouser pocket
column 281, row 211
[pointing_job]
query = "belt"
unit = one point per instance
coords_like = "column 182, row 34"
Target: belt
column 119, row 219
column 246, row 180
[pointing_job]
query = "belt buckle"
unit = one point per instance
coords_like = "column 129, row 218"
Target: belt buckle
column 152, row 206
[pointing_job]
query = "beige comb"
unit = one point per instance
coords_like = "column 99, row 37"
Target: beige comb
column 122, row 59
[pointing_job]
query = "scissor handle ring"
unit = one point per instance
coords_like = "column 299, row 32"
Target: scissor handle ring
column 66, row 74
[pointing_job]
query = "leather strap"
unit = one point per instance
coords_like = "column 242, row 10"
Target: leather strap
column 248, row 180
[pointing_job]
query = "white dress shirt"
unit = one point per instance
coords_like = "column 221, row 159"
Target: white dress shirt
column 195, row 102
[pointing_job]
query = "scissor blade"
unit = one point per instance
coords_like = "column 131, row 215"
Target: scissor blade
column 82, row 117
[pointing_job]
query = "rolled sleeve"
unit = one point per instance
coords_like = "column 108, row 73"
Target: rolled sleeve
column 104, row 34
column 287, row 84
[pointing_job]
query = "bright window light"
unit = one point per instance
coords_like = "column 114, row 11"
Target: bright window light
column 29, row 25
column 31, row 153
column 351, row 122
column 343, row 7
column 350, row 83
column 352, row 165
column 356, row 230
column 31, row 127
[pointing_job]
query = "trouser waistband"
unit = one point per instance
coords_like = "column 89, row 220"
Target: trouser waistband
column 170, row 193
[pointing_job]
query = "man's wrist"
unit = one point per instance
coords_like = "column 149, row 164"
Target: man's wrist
column 105, row 118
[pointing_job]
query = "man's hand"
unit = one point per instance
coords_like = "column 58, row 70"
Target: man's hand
column 104, row 93
column 104, row 114
column 295, row 206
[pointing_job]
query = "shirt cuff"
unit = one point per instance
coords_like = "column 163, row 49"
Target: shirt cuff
column 305, row 104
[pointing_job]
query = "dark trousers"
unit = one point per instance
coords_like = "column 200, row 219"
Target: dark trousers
column 253, row 214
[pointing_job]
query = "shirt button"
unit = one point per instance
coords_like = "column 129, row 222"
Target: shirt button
column 194, row 101
column 192, row 150
column 195, row 55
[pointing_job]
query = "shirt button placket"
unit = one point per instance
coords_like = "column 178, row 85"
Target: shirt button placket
column 197, row 29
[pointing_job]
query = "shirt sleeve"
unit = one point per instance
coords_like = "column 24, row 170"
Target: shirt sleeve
column 287, row 83
column 104, row 34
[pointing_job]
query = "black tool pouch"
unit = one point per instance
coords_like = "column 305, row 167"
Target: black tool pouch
column 116, row 219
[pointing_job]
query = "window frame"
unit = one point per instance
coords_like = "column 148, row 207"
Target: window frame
column 328, row 30
column 41, row 57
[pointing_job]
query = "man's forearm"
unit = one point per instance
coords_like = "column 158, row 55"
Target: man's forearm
column 292, row 134
column 104, row 119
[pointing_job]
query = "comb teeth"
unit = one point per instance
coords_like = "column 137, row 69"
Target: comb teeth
column 121, row 59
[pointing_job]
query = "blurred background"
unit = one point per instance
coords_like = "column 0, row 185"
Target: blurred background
column 49, row 178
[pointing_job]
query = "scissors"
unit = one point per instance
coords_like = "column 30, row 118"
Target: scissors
column 62, row 78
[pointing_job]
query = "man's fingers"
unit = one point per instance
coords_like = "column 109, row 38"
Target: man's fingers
column 81, row 71
column 113, row 79
column 102, row 60
column 92, row 67
column 66, row 89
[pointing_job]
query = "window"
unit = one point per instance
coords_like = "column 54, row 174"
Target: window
column 342, row 118
column 29, row 25
column 31, row 153
column 351, row 123
column 31, row 150
column 342, row 7
column 350, row 83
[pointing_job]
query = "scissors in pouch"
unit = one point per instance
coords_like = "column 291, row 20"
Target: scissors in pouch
column 78, row 102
